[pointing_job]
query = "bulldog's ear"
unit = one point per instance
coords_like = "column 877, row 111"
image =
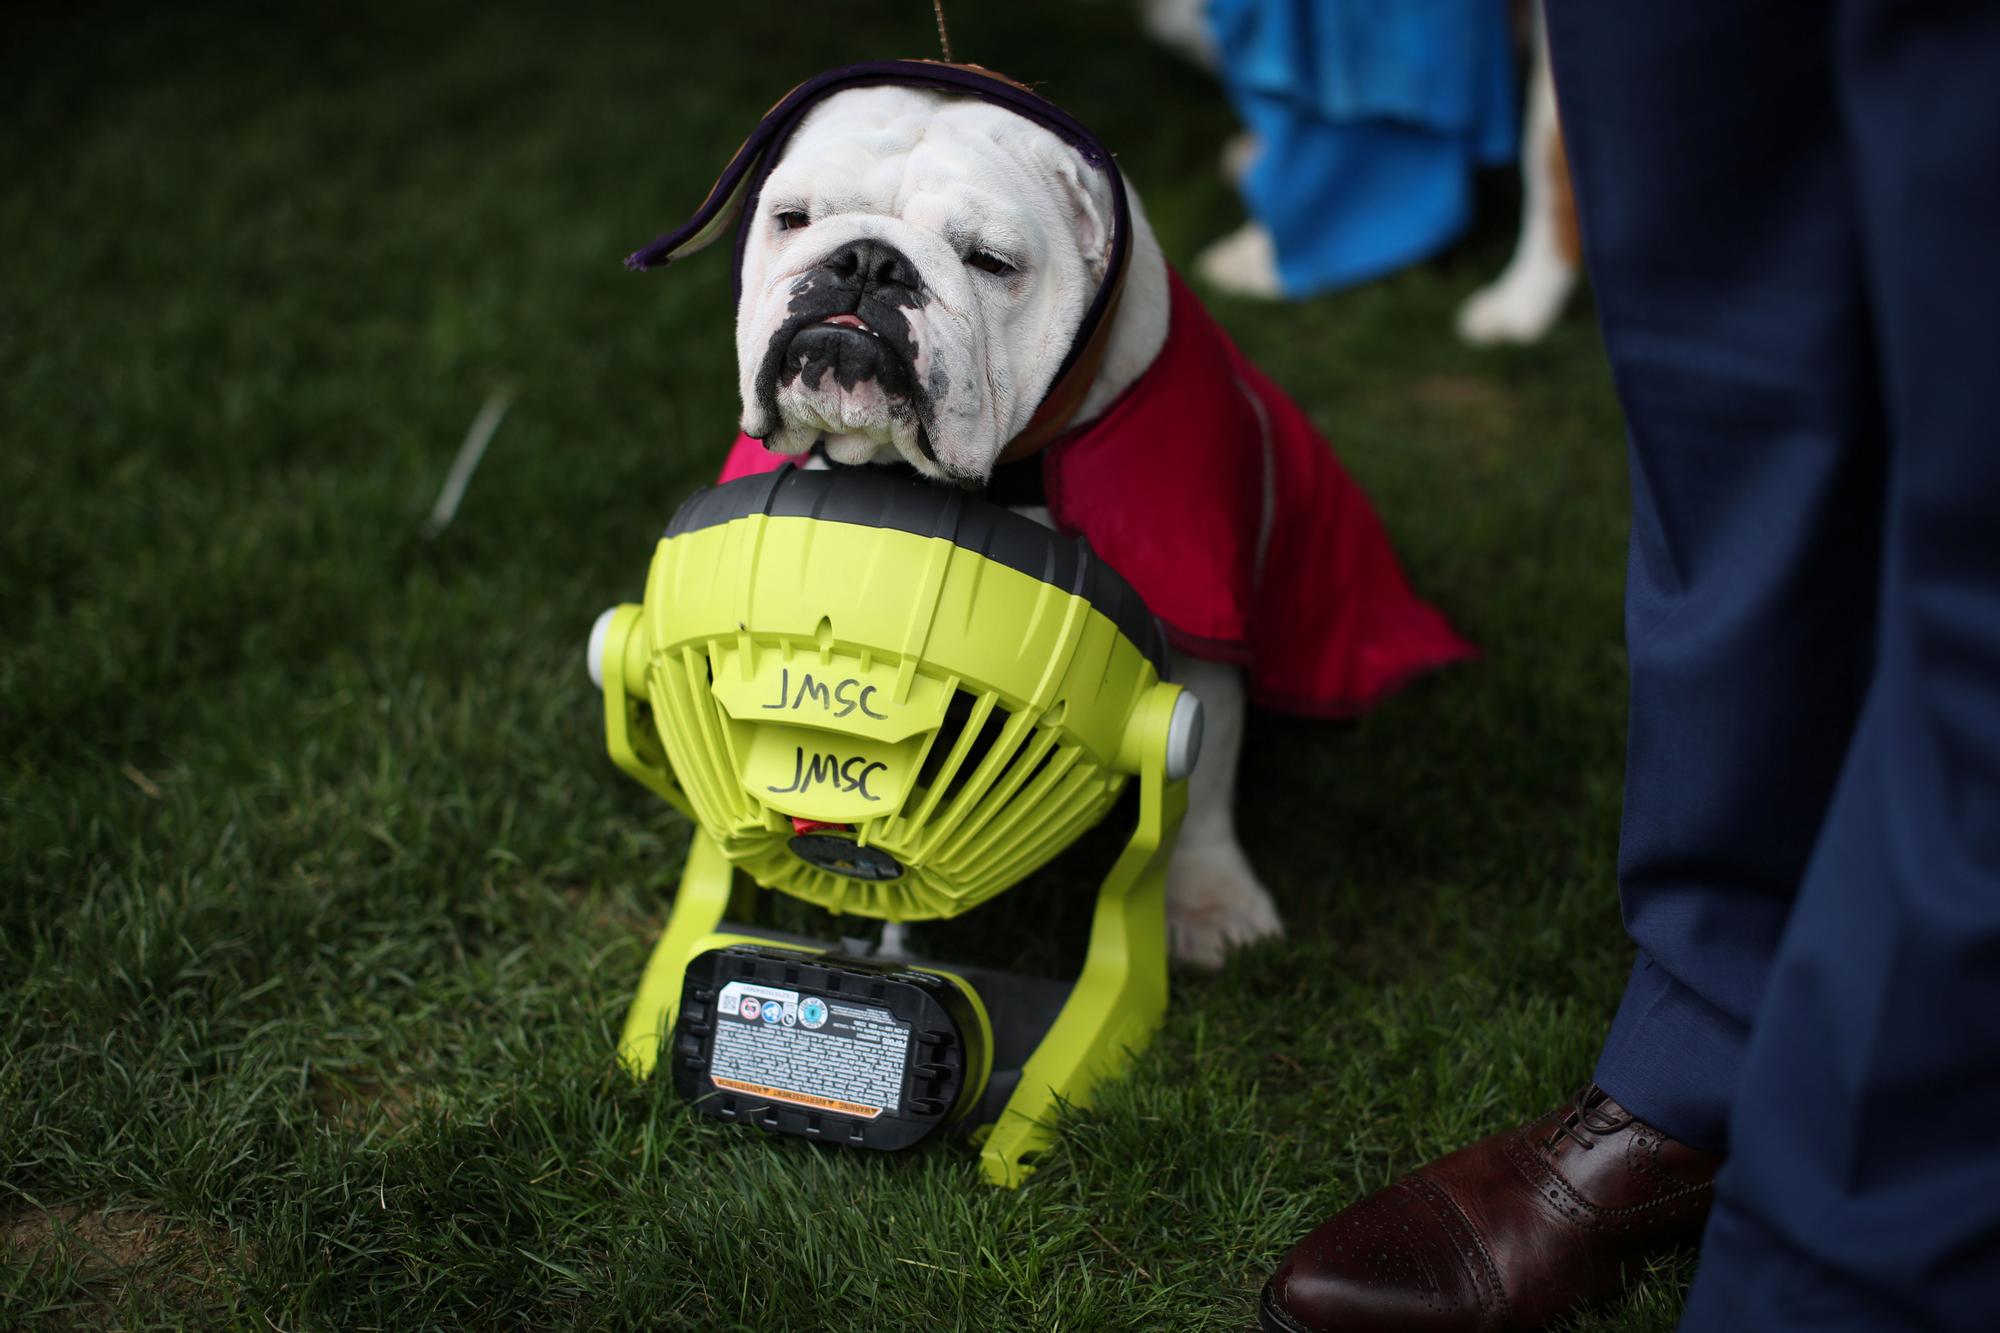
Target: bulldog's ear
column 1090, row 207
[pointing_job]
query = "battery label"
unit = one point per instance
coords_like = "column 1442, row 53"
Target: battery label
column 809, row 1050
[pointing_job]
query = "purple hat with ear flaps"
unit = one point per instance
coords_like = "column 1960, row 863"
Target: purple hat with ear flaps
column 734, row 198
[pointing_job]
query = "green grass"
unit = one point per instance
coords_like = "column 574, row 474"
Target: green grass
column 321, row 901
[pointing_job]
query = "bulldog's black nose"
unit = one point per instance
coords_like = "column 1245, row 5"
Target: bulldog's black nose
column 876, row 267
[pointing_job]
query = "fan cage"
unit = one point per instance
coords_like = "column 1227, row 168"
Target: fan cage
column 998, row 792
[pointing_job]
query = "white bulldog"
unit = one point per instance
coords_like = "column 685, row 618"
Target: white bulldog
column 911, row 282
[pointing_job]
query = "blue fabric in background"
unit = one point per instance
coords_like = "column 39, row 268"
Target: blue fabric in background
column 1372, row 116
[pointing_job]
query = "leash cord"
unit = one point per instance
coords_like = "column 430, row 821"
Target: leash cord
column 944, row 34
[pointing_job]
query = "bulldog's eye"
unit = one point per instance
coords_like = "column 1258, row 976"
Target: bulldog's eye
column 989, row 262
column 793, row 219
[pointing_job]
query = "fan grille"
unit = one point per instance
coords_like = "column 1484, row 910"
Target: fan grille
column 998, row 792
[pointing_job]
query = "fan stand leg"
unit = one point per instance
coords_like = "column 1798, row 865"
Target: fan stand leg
column 699, row 906
column 1120, row 996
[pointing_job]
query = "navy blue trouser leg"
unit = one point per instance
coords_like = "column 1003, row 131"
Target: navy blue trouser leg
column 1863, row 1189
column 1716, row 197
column 1792, row 215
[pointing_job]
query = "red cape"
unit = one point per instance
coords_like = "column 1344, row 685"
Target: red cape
column 1171, row 487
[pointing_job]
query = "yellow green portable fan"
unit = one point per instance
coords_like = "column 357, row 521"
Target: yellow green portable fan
column 893, row 700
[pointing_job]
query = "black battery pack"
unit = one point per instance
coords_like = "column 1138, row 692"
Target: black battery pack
column 828, row 1047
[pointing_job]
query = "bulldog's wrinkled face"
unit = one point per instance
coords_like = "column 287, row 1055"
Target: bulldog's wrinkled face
column 916, row 269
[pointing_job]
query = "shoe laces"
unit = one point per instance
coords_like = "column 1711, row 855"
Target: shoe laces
column 1587, row 1118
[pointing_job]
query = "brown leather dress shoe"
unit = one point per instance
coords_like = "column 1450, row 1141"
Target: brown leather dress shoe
column 1504, row 1235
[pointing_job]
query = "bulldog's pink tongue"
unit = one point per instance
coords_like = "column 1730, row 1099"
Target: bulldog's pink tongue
column 846, row 321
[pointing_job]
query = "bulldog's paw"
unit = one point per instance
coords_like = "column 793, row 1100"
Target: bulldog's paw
column 1519, row 308
column 1243, row 263
column 1214, row 904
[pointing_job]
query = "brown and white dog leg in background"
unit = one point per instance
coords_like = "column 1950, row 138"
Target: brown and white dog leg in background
column 1523, row 304
column 1244, row 262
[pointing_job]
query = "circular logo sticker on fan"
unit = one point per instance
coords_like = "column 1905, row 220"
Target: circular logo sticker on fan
column 845, row 856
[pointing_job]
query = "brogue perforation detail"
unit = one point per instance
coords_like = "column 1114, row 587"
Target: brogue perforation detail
column 1470, row 1245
